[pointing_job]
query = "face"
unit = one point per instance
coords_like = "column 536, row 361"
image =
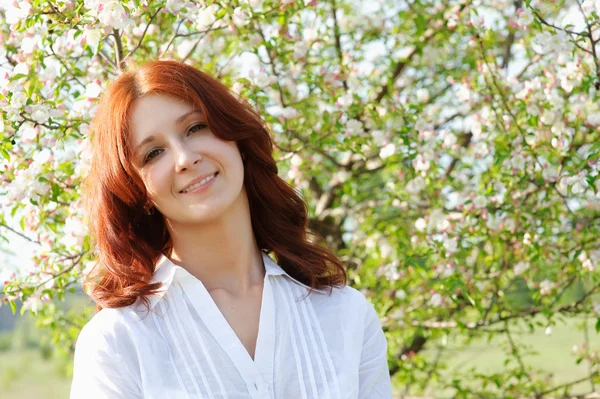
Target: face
column 173, row 148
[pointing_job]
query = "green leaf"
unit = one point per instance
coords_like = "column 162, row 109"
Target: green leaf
column 17, row 76
column 13, row 306
column 5, row 154
column 55, row 192
column 598, row 325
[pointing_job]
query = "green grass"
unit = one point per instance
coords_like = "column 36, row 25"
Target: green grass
column 554, row 356
column 25, row 374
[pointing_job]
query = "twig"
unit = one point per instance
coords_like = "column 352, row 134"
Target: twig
column 53, row 276
column 565, row 385
column 143, row 35
column 586, row 337
column 64, row 65
column 571, row 32
column 19, row 234
column 175, row 35
column 189, row 54
column 515, row 352
column 105, row 56
column 338, row 44
column 119, row 53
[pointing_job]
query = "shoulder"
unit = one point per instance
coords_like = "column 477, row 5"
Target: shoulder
column 105, row 363
column 344, row 299
column 108, row 329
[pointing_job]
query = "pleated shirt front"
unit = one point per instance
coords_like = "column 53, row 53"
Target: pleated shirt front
column 315, row 346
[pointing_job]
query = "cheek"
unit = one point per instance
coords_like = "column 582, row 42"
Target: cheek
column 156, row 180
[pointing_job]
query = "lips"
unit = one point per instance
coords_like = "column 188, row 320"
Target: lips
column 196, row 180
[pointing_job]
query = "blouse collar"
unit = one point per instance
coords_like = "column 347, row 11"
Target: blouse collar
column 166, row 271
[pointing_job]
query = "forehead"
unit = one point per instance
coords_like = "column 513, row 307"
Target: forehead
column 154, row 112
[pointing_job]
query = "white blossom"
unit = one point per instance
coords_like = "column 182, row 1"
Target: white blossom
column 92, row 38
column 345, row 100
column 391, row 272
column 438, row 221
column 21, row 68
column 421, row 224
column 254, row 4
column 33, row 303
column 28, row 132
column 546, row 287
column 588, row 263
column 174, row 6
column 113, row 14
column 40, row 113
column 206, row 17
column 450, row 245
column 400, row 294
column 354, row 127
column 261, row 79
column 6, row 275
column 28, row 45
column 18, row 100
column 93, row 90
column 387, row 151
column 290, row 112
column 43, row 156
column 16, row 11
column 480, row 201
column 240, row 16
column 520, row 268
column 420, row 163
column 436, row 300
column 300, row 49
column 476, row 130
column 379, row 137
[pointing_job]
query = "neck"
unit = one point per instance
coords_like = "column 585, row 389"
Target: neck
column 222, row 253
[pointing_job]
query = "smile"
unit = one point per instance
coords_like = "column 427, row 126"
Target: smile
column 199, row 186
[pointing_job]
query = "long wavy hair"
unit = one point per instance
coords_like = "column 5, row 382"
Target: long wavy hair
column 129, row 242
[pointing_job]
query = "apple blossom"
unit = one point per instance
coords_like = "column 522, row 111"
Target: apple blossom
column 546, row 287
column 436, row 300
column 290, row 113
column 15, row 11
column 521, row 267
column 240, row 16
column 354, row 127
column 206, row 17
column 92, row 38
column 387, row 151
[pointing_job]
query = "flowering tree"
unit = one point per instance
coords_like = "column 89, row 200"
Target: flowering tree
column 448, row 151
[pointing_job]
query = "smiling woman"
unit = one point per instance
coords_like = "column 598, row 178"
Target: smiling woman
column 187, row 208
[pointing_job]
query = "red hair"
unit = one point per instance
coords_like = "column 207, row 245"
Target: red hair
column 129, row 242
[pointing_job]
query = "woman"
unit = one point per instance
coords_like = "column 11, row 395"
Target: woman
column 187, row 206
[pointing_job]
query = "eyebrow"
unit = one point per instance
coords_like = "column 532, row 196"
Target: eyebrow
column 178, row 121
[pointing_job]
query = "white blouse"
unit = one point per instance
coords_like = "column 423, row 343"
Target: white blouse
column 323, row 346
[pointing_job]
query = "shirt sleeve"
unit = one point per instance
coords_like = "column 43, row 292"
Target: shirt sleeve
column 98, row 371
column 374, row 374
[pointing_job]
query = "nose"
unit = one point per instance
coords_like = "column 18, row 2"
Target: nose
column 185, row 157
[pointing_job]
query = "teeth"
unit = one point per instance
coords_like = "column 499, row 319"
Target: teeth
column 203, row 182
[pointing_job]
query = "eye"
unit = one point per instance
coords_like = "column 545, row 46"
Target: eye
column 192, row 129
column 148, row 158
column 197, row 127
